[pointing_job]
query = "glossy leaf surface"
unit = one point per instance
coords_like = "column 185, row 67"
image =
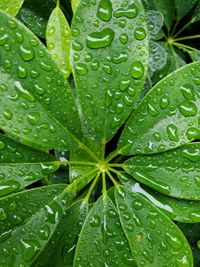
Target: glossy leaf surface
column 176, row 209
column 107, row 244
column 154, row 239
column 154, row 22
column 58, row 34
column 110, row 54
column 30, row 238
column 11, row 7
column 167, row 117
column 21, row 166
column 36, row 85
column 174, row 173
column 60, row 252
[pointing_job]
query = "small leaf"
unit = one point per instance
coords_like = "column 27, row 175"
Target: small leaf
column 60, row 251
column 30, row 238
column 176, row 209
column 102, row 241
column 168, row 115
column 75, row 4
column 11, row 7
column 110, row 58
column 183, row 7
column 153, row 238
column 195, row 55
column 158, row 57
column 58, row 34
column 174, row 173
column 18, row 169
column 154, row 22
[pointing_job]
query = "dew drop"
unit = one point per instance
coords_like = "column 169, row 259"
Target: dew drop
column 27, row 54
column 172, row 132
column 187, row 91
column 33, row 118
column 21, row 72
column 29, row 249
column 23, row 92
column 3, row 39
column 95, row 221
column 39, row 90
column 183, row 262
column 3, row 215
column 7, row 114
column 8, row 187
column 77, row 46
column 164, row 102
column 105, row 10
column 188, row 109
column 130, row 12
column 123, row 38
column 137, row 69
column 100, row 39
column 173, row 241
column 81, row 69
column 137, row 204
column 140, row 33
column 44, row 232
column 193, row 133
column 2, row 145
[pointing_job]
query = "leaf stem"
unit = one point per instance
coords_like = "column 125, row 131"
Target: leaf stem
column 182, row 46
column 58, row 3
column 116, row 165
column 113, row 155
column 175, row 26
column 104, row 185
column 116, row 172
column 187, row 37
column 86, row 199
column 183, row 28
column 112, row 178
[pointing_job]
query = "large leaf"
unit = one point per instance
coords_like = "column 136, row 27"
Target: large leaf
column 154, row 239
column 168, row 116
column 102, row 241
column 110, row 56
column 60, row 251
column 11, row 7
column 29, row 238
column 183, row 7
column 174, row 173
column 38, row 99
column 58, row 34
column 21, row 166
column 177, row 209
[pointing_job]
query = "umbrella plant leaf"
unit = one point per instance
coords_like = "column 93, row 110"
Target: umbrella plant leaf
column 168, row 116
column 18, row 169
column 154, row 22
column 157, row 57
column 177, row 209
column 36, row 84
column 174, row 173
column 11, row 7
column 60, row 252
column 30, row 238
column 110, row 57
column 107, row 243
column 153, row 238
column 183, row 7
column 58, row 34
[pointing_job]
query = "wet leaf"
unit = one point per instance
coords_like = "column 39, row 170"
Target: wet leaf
column 174, row 173
column 36, row 85
column 58, row 34
column 107, row 243
column 11, row 7
column 110, row 61
column 152, row 236
column 154, row 22
column 158, row 57
column 21, row 166
column 168, row 115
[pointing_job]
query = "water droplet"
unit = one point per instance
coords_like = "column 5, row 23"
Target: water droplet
column 19, row 37
column 7, row 114
column 173, row 241
column 193, row 133
column 137, row 204
column 105, row 10
column 26, row 53
column 3, row 87
column 44, row 232
column 33, row 118
column 187, row 91
column 152, row 110
column 137, row 69
column 130, row 12
column 29, row 248
column 95, row 221
column 122, row 57
column 164, row 102
column 3, row 39
column 107, row 68
column 172, row 132
column 39, row 90
column 197, row 180
column 45, row 66
column 123, row 38
column 3, row 215
column 140, row 33
column 81, row 69
column 191, row 154
column 124, row 85
column 100, row 39
column 77, row 46
column 119, row 108
column 21, row 72
column 54, row 212
column 8, row 187
column 183, row 262
column 188, row 109
column 23, row 92
column 2, row 145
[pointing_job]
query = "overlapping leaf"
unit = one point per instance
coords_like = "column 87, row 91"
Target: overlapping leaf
column 168, row 117
column 21, row 166
column 110, row 59
column 154, row 22
column 183, row 7
column 11, row 7
column 38, row 103
column 153, row 238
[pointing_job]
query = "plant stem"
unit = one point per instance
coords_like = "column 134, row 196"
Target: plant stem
column 103, row 149
column 175, row 26
column 116, row 165
column 113, row 155
column 104, row 185
column 183, row 28
column 187, row 37
column 82, row 163
column 58, row 3
column 86, row 199
column 112, row 178
column 182, row 46
column 116, row 172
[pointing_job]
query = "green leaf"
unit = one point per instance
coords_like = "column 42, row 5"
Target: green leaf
column 18, row 169
column 195, row 55
column 75, row 4
column 154, row 22
column 174, row 173
column 60, row 252
column 158, row 57
column 35, row 14
column 102, row 240
column 183, row 7
column 168, row 115
column 176, row 209
column 110, row 56
column 196, row 14
column 30, row 238
column 38, row 103
column 58, row 34
column 11, row 7
column 154, row 239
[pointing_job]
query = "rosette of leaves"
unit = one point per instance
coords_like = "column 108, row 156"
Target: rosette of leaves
column 132, row 172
